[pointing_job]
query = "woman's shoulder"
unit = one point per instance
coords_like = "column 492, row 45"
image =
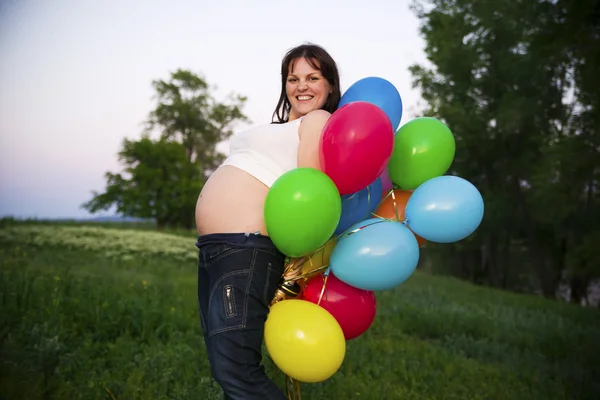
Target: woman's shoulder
column 319, row 116
column 314, row 121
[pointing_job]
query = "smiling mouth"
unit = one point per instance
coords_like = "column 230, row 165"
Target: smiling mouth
column 304, row 98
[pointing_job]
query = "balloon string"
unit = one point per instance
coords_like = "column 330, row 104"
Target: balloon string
column 391, row 193
column 397, row 219
column 396, row 209
column 368, row 202
column 292, row 387
column 312, row 271
column 350, row 231
column 395, row 205
column 323, row 289
column 294, row 265
column 293, row 268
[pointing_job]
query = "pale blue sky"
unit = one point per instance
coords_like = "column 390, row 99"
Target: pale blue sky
column 75, row 75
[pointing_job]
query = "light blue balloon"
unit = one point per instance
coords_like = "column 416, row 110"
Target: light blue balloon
column 380, row 256
column 359, row 206
column 376, row 91
column 444, row 209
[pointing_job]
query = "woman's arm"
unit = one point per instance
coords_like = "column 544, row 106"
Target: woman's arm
column 309, row 132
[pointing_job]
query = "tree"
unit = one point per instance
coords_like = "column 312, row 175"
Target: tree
column 188, row 112
column 580, row 163
column 163, row 177
column 159, row 182
column 511, row 78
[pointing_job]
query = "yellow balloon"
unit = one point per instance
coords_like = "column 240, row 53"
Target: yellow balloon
column 304, row 340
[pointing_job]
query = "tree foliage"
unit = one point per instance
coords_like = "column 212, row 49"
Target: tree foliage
column 188, row 112
column 159, row 182
column 513, row 79
column 163, row 177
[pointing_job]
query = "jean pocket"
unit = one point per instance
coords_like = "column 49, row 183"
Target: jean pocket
column 228, row 303
column 213, row 253
column 268, row 271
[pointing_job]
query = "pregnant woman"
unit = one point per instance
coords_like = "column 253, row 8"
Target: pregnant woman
column 239, row 266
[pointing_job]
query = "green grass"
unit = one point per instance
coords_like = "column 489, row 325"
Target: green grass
column 87, row 310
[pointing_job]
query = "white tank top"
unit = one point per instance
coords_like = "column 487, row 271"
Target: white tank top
column 266, row 151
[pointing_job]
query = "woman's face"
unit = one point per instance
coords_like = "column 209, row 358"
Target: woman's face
column 306, row 89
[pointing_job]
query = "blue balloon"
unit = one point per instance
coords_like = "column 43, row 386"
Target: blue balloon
column 444, row 209
column 380, row 256
column 359, row 206
column 376, row 91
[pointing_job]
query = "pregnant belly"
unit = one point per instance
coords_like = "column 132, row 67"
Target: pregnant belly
column 232, row 201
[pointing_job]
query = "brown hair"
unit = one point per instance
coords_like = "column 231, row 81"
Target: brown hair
column 318, row 58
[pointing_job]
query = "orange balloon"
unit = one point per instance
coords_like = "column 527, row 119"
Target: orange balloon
column 394, row 207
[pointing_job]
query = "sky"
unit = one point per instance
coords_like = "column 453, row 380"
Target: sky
column 75, row 76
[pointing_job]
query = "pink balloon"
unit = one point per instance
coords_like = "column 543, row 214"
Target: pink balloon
column 353, row 308
column 386, row 183
column 356, row 145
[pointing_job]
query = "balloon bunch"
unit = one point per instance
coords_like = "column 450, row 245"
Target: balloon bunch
column 357, row 226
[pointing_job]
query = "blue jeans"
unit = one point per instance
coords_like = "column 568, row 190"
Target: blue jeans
column 238, row 275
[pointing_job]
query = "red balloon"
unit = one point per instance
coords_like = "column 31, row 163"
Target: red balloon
column 356, row 145
column 353, row 308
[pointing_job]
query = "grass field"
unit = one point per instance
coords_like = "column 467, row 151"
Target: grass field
column 98, row 313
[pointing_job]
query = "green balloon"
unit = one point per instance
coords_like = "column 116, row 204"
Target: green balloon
column 423, row 149
column 302, row 210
